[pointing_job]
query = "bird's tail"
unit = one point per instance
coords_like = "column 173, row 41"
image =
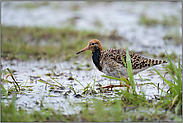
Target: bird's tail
column 156, row 62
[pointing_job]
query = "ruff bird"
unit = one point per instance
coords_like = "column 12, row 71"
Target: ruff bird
column 110, row 60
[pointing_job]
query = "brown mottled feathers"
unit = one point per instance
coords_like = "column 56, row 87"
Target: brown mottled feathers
column 137, row 61
column 111, row 63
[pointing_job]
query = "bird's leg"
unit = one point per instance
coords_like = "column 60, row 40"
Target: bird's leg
column 111, row 86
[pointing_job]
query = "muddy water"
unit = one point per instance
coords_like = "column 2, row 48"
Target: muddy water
column 34, row 92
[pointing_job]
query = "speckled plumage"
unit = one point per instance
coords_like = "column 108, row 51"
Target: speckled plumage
column 107, row 61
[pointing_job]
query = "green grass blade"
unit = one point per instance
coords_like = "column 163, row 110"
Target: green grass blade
column 110, row 77
column 170, row 84
column 45, row 82
column 78, row 82
column 55, row 81
column 179, row 82
column 174, row 100
column 129, row 70
column 171, row 64
column 178, row 106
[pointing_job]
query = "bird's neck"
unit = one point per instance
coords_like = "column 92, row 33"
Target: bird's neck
column 96, row 58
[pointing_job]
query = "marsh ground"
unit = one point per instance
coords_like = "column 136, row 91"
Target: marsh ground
column 39, row 42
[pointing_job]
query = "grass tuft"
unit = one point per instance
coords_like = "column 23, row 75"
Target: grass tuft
column 39, row 42
column 167, row 21
column 175, row 89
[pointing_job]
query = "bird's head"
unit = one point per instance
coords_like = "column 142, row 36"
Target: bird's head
column 93, row 45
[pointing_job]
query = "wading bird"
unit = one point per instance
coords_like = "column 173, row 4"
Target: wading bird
column 111, row 63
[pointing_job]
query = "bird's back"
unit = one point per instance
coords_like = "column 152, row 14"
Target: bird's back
column 109, row 57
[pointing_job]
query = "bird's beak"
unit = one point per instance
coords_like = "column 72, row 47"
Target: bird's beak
column 86, row 48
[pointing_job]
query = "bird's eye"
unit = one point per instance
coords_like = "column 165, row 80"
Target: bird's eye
column 92, row 43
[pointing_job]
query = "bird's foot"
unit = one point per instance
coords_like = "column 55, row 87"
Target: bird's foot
column 111, row 86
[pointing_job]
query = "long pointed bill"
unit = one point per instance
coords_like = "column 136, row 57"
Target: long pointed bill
column 86, row 48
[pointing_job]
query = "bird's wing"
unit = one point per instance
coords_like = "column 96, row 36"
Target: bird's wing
column 137, row 61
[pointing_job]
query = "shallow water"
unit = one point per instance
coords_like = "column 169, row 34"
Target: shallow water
column 28, row 73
